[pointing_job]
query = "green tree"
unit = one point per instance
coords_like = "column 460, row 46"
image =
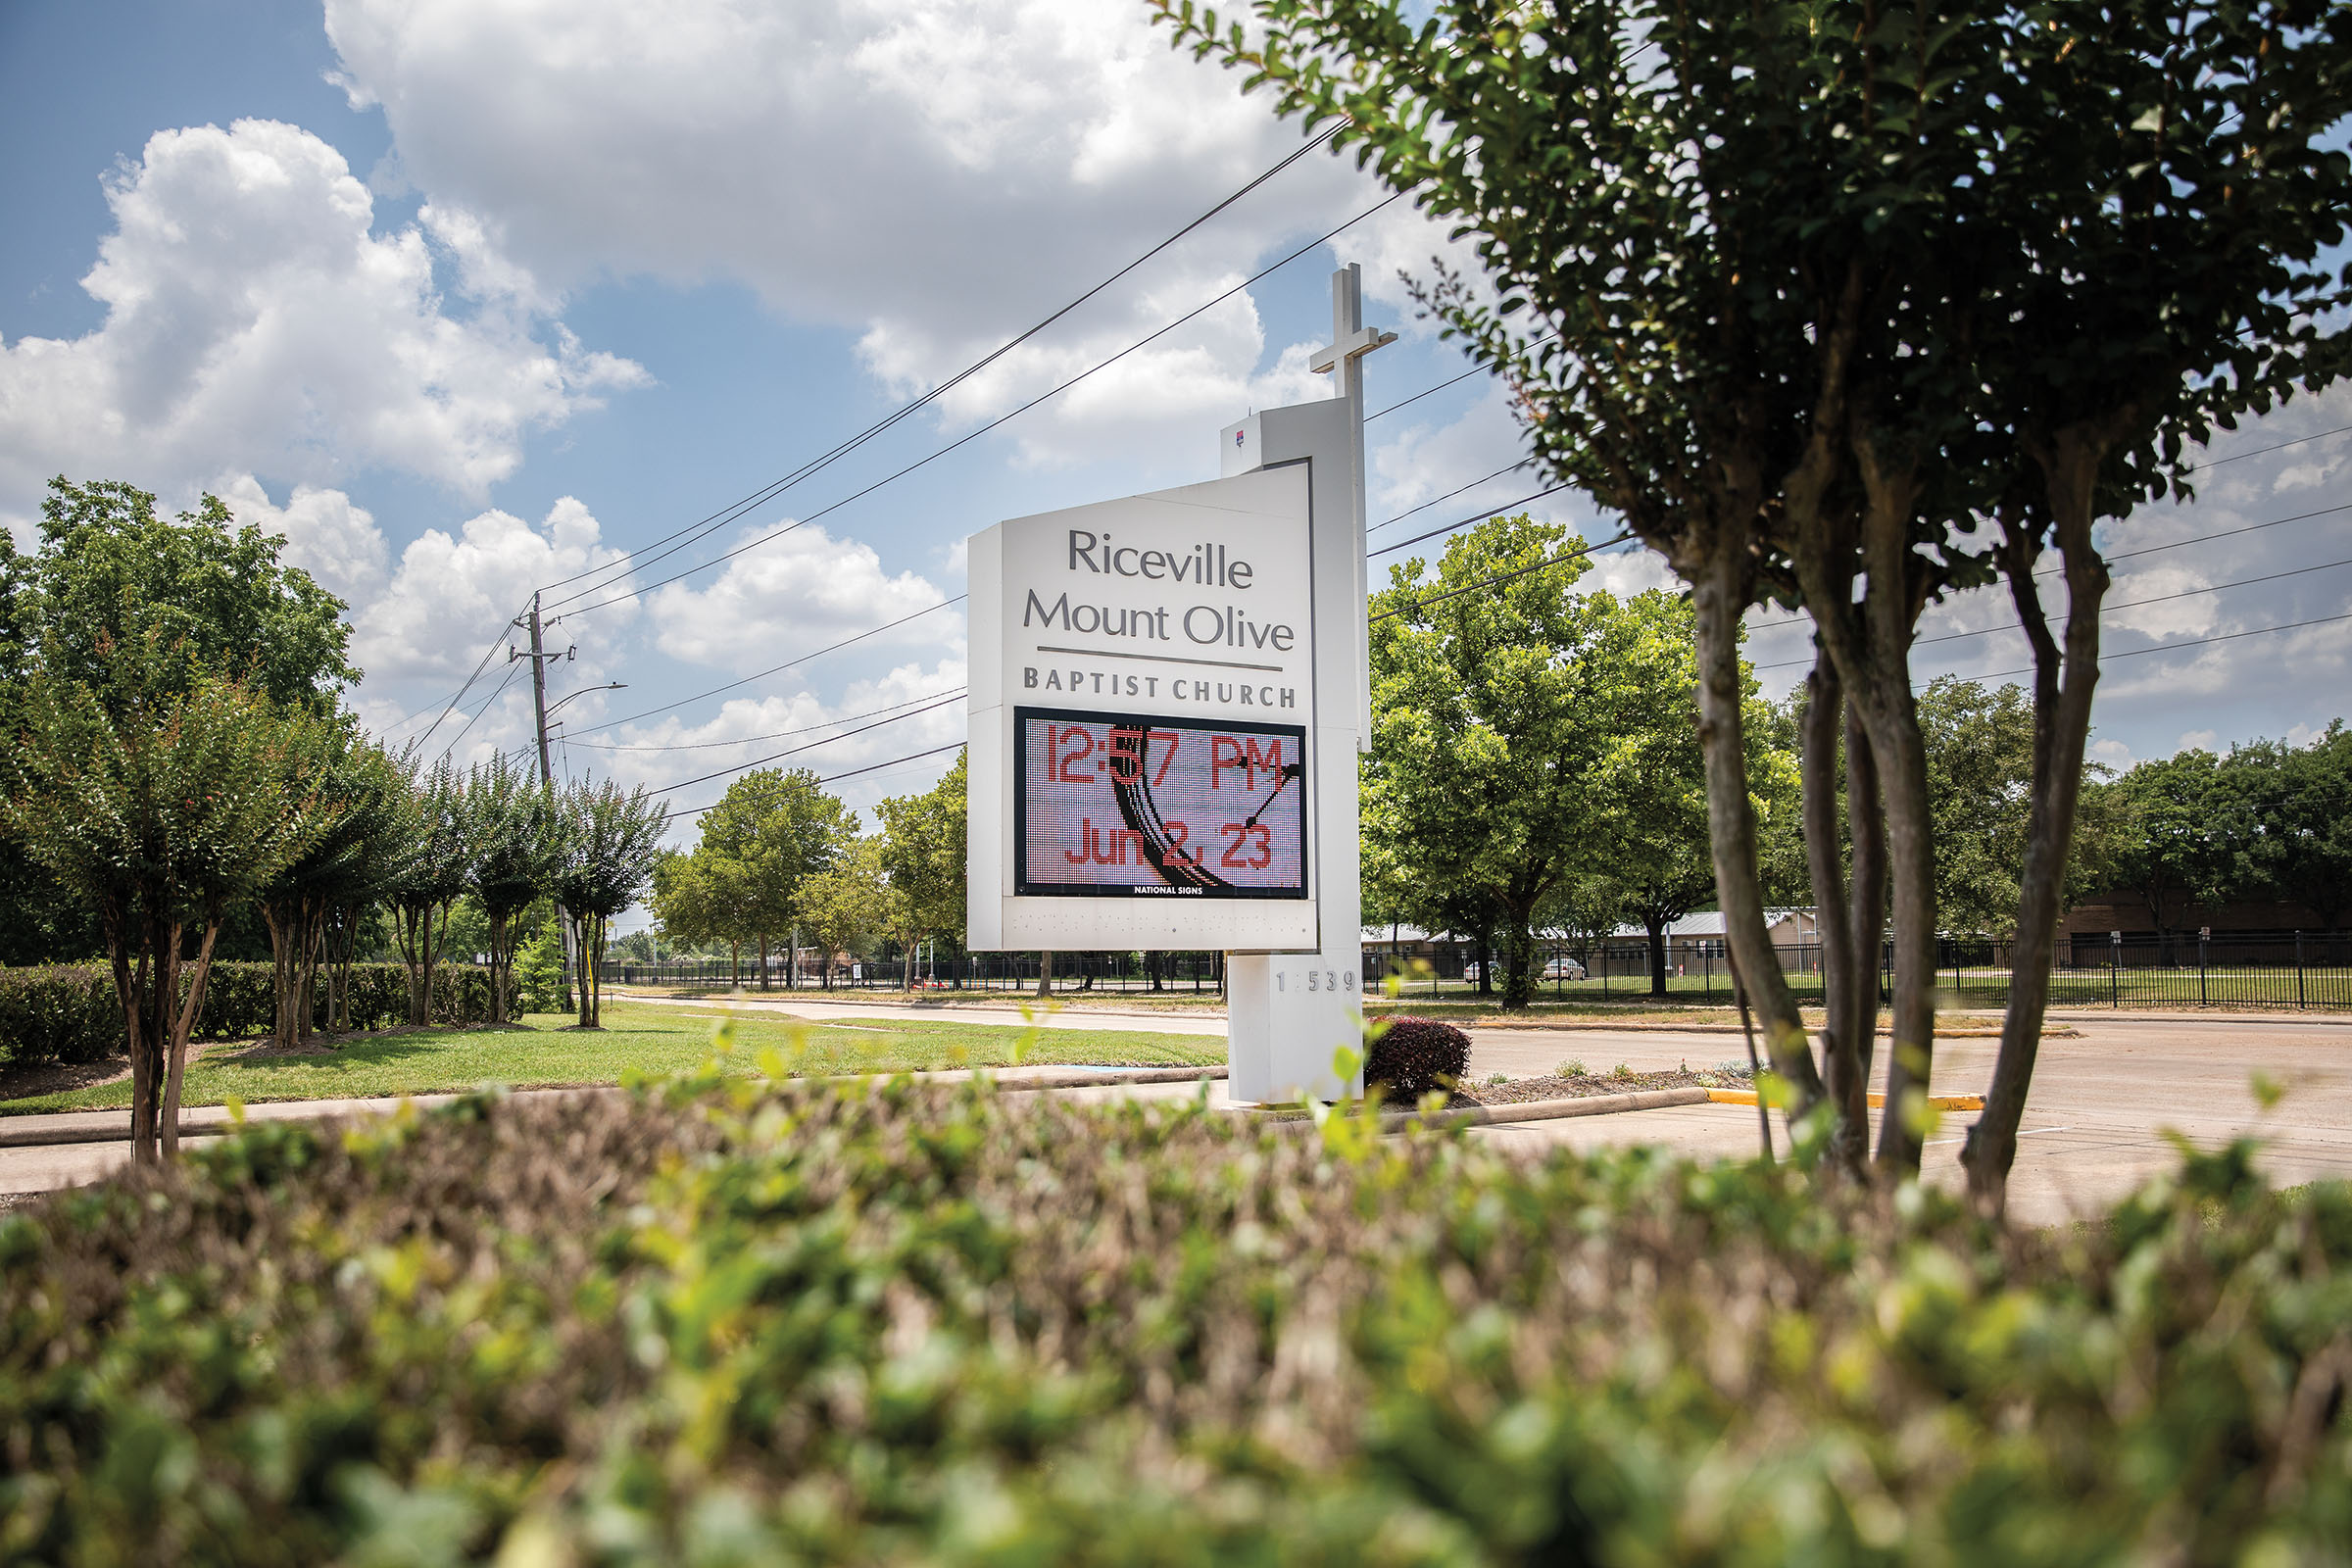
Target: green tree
column 2168, row 851
column 611, row 844
column 1811, row 295
column 847, row 906
column 367, row 822
column 1526, row 735
column 1980, row 750
column 511, row 826
column 922, row 853
column 776, row 829
column 160, row 798
column 693, row 898
column 2306, row 825
column 1658, row 865
column 212, row 598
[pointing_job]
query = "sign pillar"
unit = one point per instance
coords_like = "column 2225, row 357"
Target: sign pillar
column 1288, row 1012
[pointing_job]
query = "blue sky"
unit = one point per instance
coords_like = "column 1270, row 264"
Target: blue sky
column 468, row 295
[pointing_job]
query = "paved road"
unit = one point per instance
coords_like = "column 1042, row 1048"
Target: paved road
column 2092, row 1129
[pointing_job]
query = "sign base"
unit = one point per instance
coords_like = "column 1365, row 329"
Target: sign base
column 1287, row 1016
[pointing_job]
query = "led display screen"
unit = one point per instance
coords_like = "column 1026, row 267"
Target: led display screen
column 1125, row 805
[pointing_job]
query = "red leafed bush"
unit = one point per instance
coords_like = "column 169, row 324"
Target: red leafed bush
column 1416, row 1055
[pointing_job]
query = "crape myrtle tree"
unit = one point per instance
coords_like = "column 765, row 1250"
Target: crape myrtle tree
column 364, row 823
column 109, row 569
column 375, row 787
column 509, row 825
column 610, row 843
column 440, row 863
column 160, row 796
column 1851, row 306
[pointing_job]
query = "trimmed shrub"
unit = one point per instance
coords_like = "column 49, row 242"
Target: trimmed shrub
column 68, row 1013
column 891, row 1323
column 1415, row 1056
column 65, row 1013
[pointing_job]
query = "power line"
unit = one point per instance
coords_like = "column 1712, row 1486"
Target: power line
column 1456, row 381
column 1487, row 582
column 2173, row 647
column 488, row 702
column 2128, row 604
column 771, row 735
column 2120, row 555
column 2280, row 447
column 1480, row 517
column 975, row 435
column 488, row 654
column 806, row 746
column 766, row 493
column 777, row 669
column 676, row 813
column 1451, row 494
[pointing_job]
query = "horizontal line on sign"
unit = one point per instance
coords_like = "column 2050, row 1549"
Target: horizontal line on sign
column 1158, row 659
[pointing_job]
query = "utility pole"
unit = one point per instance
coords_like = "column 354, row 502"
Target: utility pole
column 538, row 693
column 547, row 780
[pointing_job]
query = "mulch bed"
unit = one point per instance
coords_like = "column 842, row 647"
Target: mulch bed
column 1586, row 1085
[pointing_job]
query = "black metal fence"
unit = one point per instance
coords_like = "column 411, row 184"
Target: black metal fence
column 2309, row 971
column 1187, row 973
column 2295, row 971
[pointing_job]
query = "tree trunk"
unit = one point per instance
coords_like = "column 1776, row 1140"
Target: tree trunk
column 183, row 1024
column 1718, row 597
column 2061, row 730
column 306, row 1005
column 1044, row 973
column 1845, row 1035
column 588, row 952
column 1902, row 761
column 593, row 978
column 1485, row 958
column 1518, row 984
column 1866, row 907
column 282, row 925
column 1657, row 927
column 498, row 960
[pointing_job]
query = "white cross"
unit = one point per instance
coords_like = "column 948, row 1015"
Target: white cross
column 1351, row 338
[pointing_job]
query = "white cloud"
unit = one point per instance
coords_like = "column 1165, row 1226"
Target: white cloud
column 791, row 730
column 2193, row 613
column 328, row 535
column 804, row 590
column 255, row 323
column 2196, row 740
column 430, row 621
column 936, row 173
column 851, row 157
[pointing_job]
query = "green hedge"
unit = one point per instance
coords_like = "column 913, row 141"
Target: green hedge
column 68, row 1013
column 923, row 1325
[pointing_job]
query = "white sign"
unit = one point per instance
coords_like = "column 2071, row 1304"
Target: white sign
column 1143, row 722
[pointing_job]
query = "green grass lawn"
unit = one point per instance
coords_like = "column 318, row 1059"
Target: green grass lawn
column 650, row 1038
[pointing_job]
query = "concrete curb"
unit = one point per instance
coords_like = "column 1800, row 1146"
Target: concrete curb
column 1748, row 1096
column 216, row 1124
column 1551, row 1109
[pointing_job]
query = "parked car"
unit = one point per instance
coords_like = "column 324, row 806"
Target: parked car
column 1564, row 967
